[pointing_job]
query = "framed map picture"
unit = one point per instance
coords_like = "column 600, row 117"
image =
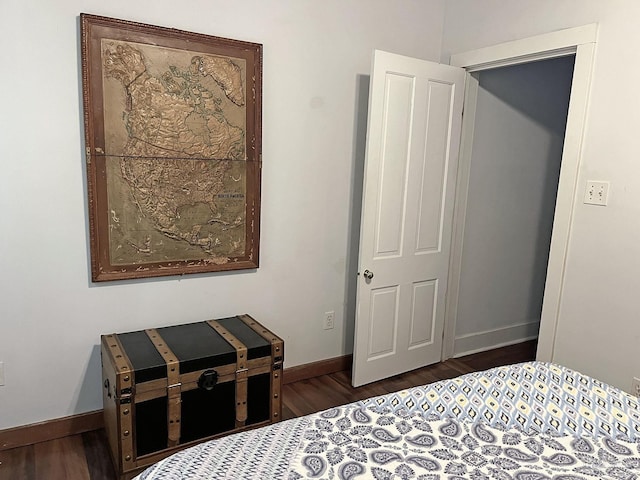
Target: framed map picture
column 173, row 150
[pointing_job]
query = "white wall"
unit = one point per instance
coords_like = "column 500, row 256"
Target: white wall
column 520, row 119
column 598, row 331
column 316, row 58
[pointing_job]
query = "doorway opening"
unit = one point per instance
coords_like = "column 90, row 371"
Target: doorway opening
column 579, row 43
column 516, row 154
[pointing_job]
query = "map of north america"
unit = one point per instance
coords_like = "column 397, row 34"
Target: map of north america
column 175, row 147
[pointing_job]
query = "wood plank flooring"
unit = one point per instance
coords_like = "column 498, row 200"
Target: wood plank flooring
column 86, row 456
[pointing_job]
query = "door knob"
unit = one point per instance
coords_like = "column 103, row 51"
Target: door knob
column 367, row 274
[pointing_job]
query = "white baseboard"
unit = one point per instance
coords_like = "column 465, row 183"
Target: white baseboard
column 496, row 338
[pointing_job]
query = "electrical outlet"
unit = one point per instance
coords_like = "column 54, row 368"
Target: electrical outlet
column 635, row 386
column 329, row 320
column 1, row 374
column 596, row 193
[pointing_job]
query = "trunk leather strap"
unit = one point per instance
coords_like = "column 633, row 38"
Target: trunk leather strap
column 174, row 391
column 242, row 371
column 123, row 393
column 277, row 359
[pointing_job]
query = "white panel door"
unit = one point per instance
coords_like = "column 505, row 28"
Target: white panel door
column 415, row 112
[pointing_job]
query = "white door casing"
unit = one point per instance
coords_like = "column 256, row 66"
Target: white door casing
column 578, row 41
column 415, row 110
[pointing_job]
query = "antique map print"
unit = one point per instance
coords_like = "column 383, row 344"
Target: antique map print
column 176, row 154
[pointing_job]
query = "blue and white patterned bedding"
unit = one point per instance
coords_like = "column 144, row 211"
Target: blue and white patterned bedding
column 526, row 421
column 352, row 442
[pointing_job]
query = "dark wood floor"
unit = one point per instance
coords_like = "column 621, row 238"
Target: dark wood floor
column 85, row 456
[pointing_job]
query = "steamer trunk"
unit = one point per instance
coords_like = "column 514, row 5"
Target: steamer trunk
column 169, row 388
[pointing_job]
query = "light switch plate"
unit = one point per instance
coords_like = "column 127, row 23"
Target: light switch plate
column 596, row 192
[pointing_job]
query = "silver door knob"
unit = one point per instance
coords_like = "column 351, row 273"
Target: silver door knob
column 367, row 274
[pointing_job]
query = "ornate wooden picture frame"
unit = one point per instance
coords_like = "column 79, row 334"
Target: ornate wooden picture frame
column 173, row 150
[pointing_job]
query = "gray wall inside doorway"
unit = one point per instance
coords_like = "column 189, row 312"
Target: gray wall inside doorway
column 515, row 163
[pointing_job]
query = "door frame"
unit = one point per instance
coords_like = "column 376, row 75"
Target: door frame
column 581, row 42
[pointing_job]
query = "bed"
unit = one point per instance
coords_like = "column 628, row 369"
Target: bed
column 527, row 421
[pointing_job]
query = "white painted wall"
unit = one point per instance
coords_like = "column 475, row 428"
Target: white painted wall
column 598, row 331
column 520, row 120
column 316, row 58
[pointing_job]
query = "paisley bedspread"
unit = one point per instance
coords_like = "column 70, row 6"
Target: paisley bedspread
column 521, row 422
column 351, row 442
